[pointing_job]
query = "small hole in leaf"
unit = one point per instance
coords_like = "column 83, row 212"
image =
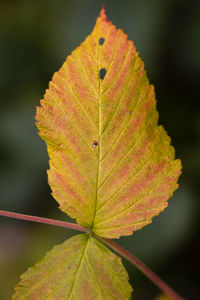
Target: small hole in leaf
column 95, row 144
column 102, row 73
column 101, row 41
column 131, row 112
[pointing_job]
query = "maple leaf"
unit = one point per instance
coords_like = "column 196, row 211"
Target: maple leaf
column 111, row 166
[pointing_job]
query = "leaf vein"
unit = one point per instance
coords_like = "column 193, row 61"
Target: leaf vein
column 110, row 269
column 125, row 126
column 123, row 157
column 120, row 226
column 49, row 273
column 93, row 277
column 77, row 100
column 80, row 134
column 73, row 157
column 119, row 100
column 78, row 269
column 85, row 75
column 135, row 174
column 139, row 199
column 118, row 72
column 113, row 55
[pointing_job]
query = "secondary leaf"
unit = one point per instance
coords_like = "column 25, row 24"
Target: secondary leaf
column 80, row 268
column 111, row 165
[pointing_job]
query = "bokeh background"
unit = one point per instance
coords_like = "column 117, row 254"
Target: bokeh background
column 35, row 38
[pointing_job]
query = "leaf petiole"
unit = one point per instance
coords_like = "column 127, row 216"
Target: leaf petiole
column 43, row 220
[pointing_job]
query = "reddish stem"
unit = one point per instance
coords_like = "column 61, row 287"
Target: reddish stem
column 142, row 267
column 43, row 220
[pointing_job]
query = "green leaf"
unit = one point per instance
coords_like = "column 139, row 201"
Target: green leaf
column 80, row 268
column 111, row 165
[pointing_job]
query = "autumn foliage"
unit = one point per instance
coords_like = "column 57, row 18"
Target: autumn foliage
column 112, row 167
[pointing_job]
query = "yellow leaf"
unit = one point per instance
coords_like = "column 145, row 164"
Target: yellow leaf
column 111, row 165
column 81, row 268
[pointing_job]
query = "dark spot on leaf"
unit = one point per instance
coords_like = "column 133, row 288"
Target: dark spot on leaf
column 102, row 73
column 95, row 144
column 101, row 41
column 131, row 112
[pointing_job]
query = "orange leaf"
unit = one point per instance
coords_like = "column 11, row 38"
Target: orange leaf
column 111, row 165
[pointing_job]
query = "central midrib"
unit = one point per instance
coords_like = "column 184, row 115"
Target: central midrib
column 99, row 142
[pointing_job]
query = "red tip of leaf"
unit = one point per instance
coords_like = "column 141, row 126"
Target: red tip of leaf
column 103, row 15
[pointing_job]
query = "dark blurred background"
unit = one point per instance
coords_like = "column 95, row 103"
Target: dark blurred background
column 35, row 38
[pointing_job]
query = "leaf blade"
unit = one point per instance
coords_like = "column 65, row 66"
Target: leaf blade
column 74, row 270
column 111, row 166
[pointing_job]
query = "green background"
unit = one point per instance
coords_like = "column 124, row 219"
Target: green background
column 35, row 38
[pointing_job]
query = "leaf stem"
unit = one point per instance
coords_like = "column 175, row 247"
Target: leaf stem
column 142, row 267
column 43, row 220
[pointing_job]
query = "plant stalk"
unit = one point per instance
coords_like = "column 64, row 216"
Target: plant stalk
column 43, row 220
column 142, row 267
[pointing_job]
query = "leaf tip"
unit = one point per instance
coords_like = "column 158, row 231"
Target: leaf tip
column 103, row 15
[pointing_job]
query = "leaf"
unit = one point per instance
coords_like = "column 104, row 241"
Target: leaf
column 111, row 166
column 80, row 268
